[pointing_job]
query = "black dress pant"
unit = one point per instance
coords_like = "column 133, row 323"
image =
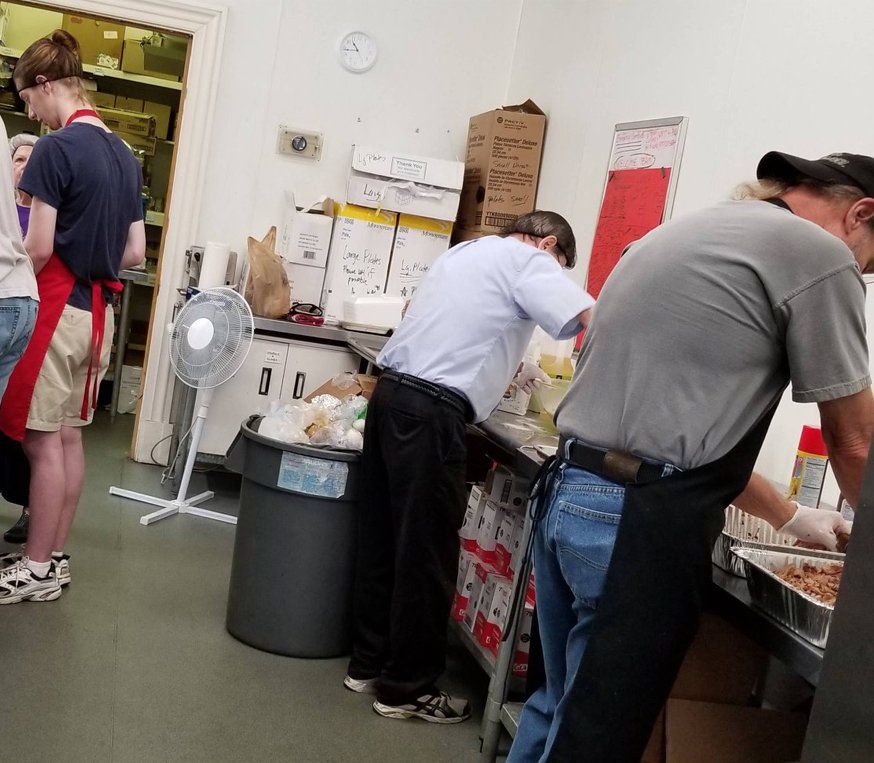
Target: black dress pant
column 412, row 505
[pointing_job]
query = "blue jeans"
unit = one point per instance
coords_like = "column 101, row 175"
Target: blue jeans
column 572, row 550
column 17, row 318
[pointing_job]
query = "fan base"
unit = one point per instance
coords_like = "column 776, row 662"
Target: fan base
column 169, row 508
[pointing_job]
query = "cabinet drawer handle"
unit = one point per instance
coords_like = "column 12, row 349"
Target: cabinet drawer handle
column 264, row 386
column 299, row 381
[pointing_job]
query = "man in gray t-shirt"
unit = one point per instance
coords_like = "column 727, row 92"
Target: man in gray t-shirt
column 696, row 334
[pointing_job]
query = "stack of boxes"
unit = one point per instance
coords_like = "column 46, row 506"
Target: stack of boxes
column 396, row 221
column 491, row 543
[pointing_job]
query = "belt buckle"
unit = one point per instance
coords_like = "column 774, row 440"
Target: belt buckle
column 621, row 467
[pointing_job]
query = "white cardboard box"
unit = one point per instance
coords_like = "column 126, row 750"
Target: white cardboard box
column 496, row 619
column 359, row 255
column 307, row 283
column 481, row 573
column 488, row 532
column 515, row 400
column 464, row 583
column 507, row 489
column 476, row 504
column 305, row 237
column 415, row 185
column 419, row 241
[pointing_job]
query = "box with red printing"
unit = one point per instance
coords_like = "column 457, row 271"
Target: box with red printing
column 463, row 585
column 506, row 489
column 487, row 536
column 496, row 620
column 516, row 549
column 484, row 605
column 472, row 517
column 504, row 540
column 481, row 573
column 523, row 642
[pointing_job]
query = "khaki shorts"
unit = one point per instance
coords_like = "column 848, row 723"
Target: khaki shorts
column 60, row 387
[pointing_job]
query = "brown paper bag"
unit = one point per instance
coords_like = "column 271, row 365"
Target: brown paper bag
column 267, row 290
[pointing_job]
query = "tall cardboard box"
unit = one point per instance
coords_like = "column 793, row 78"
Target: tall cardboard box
column 100, row 42
column 162, row 114
column 419, row 241
column 502, row 166
column 358, row 256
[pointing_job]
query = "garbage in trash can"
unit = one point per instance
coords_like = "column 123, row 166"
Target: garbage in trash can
column 294, row 552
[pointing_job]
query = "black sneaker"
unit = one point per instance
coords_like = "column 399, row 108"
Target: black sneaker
column 434, row 708
column 18, row 532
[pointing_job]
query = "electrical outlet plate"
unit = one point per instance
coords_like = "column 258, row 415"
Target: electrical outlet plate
column 305, row 143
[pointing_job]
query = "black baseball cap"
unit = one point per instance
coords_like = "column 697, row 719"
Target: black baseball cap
column 841, row 169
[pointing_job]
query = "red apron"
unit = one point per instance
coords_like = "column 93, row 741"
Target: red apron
column 55, row 284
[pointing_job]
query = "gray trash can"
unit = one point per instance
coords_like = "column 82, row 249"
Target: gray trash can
column 294, row 553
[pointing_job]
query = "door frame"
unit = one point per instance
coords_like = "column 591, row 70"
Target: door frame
column 205, row 24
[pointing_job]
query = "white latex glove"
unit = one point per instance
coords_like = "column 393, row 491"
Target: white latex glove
column 531, row 376
column 818, row 526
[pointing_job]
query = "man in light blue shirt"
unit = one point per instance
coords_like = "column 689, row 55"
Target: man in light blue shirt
column 448, row 363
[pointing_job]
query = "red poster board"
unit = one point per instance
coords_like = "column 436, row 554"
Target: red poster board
column 633, row 204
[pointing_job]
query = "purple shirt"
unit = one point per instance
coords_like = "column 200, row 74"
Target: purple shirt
column 23, row 218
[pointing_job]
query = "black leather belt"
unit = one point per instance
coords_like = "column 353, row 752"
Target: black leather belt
column 613, row 465
column 459, row 402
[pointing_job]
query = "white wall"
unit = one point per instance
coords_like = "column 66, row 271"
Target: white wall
column 751, row 75
column 439, row 63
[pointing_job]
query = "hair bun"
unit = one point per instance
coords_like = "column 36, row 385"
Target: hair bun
column 64, row 39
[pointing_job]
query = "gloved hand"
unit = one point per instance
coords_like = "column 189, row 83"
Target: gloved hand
column 817, row 526
column 531, row 376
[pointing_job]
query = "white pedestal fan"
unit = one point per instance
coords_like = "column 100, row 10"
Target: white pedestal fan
column 209, row 341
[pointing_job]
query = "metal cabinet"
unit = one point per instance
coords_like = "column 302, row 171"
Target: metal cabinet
column 275, row 369
column 249, row 391
column 309, row 366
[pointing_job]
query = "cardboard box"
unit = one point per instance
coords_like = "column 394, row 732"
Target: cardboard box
column 358, row 256
column 523, row 642
column 504, row 541
column 133, row 61
column 722, row 665
column 100, row 41
column 129, row 122
column 496, row 617
column 343, row 385
column 129, row 104
column 502, row 166
column 307, row 283
column 419, row 241
column 484, row 605
column 515, row 400
column 305, row 235
column 129, row 388
column 696, row 731
column 138, row 142
column 487, row 536
column 476, row 504
column 463, row 584
column 162, row 114
column 481, row 573
column 102, row 100
column 399, row 182
column 516, row 549
column 506, row 489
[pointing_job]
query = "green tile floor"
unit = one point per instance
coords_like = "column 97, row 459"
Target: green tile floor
column 133, row 662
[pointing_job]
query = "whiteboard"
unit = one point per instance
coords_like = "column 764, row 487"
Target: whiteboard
column 650, row 143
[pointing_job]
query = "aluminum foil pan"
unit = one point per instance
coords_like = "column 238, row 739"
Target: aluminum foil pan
column 725, row 559
column 799, row 612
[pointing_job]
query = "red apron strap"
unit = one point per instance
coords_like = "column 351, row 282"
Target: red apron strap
column 78, row 113
column 98, row 326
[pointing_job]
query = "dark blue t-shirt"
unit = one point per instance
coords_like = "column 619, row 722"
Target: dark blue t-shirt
column 94, row 181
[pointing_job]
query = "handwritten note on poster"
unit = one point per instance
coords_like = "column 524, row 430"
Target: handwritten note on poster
column 634, row 201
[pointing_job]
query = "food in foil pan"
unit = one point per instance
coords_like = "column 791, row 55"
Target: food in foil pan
column 820, row 582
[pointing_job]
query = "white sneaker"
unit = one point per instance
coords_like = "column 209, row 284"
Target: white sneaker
column 62, row 569
column 18, row 583
column 362, row 686
column 434, row 708
column 11, row 558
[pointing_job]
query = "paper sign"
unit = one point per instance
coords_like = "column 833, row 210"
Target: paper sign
column 312, row 476
column 634, row 201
